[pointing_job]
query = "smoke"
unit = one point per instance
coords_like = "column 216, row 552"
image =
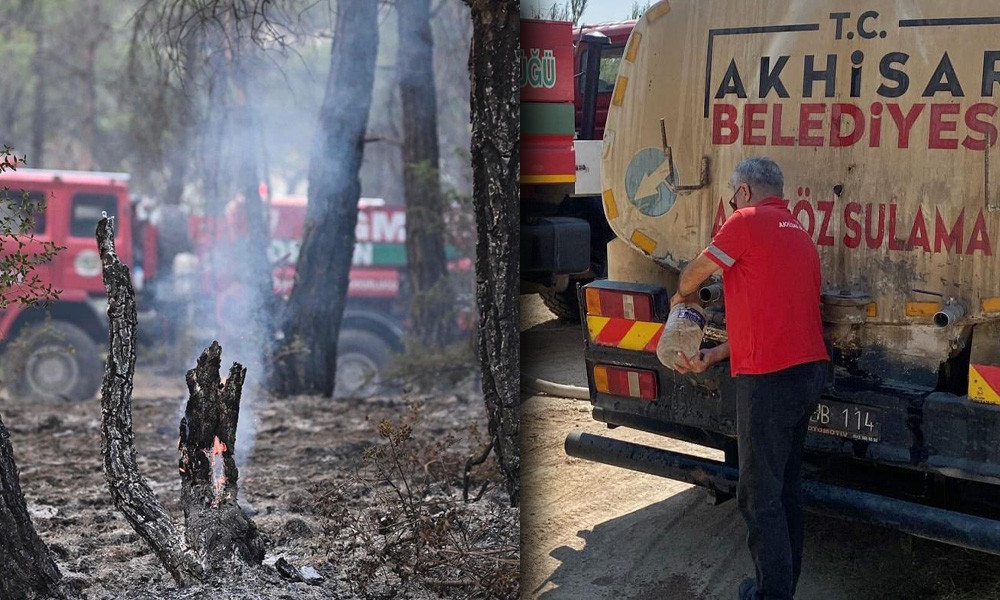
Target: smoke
column 254, row 113
column 236, row 312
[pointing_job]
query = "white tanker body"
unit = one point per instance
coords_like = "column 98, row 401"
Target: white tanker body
column 884, row 117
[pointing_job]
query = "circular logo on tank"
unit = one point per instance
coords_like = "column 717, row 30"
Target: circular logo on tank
column 650, row 182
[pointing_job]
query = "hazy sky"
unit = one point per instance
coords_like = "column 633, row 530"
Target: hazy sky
column 597, row 10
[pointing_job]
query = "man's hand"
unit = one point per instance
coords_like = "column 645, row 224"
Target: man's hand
column 689, row 299
column 701, row 361
column 693, row 276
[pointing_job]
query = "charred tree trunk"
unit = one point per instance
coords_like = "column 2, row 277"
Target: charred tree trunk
column 430, row 298
column 316, row 305
column 494, row 67
column 130, row 492
column 26, row 567
column 217, row 530
column 216, row 527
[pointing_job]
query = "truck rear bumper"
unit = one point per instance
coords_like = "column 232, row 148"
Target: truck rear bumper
column 976, row 533
column 924, row 432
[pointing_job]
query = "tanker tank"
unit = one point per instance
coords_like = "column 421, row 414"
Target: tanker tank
column 884, row 119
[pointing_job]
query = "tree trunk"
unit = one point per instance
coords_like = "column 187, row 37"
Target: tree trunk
column 216, row 527
column 11, row 103
column 495, row 71
column 308, row 362
column 90, row 88
column 215, row 131
column 130, row 492
column 180, row 153
column 90, row 109
column 38, row 115
column 26, row 567
column 430, row 297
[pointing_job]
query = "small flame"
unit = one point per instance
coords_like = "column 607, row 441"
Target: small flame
column 218, row 469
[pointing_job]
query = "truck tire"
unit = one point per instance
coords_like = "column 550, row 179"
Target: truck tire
column 360, row 356
column 53, row 361
column 563, row 304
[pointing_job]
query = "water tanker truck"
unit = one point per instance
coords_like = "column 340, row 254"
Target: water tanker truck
column 884, row 118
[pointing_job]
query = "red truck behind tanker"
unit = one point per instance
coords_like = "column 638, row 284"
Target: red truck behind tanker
column 567, row 77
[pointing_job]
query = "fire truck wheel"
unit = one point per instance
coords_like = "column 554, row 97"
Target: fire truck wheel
column 360, row 357
column 54, row 361
column 563, row 304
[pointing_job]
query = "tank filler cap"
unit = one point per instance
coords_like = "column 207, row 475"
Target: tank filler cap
column 846, row 298
column 845, row 306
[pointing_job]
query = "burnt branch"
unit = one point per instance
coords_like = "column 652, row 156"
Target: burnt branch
column 217, row 528
column 130, row 492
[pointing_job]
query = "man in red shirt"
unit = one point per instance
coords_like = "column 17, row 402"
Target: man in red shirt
column 771, row 285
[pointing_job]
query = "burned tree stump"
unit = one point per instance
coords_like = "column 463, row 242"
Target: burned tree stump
column 217, row 528
column 26, row 567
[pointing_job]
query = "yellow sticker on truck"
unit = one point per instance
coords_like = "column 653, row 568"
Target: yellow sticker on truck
column 984, row 383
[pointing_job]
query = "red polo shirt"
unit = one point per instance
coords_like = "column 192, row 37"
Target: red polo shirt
column 771, row 280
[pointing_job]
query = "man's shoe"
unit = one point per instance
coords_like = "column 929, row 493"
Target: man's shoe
column 748, row 589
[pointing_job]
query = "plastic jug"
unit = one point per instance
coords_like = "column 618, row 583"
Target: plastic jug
column 683, row 332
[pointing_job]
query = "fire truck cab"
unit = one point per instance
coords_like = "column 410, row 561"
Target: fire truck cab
column 568, row 76
column 54, row 352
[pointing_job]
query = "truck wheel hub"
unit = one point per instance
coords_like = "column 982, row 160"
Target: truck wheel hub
column 356, row 374
column 51, row 370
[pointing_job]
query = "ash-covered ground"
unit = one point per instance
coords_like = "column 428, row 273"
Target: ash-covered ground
column 366, row 492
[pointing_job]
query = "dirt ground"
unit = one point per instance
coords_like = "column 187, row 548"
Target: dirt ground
column 594, row 531
column 305, row 482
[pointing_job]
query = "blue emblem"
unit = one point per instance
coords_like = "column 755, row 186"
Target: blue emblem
column 647, row 184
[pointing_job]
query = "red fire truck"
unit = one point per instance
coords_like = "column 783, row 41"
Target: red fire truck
column 55, row 352
column 567, row 78
column 375, row 315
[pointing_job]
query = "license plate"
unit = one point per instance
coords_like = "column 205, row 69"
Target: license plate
column 847, row 420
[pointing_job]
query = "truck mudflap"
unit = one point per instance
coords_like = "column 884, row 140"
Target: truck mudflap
column 951, row 527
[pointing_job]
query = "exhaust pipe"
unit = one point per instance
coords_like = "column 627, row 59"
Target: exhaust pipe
column 710, row 293
column 958, row 529
column 950, row 313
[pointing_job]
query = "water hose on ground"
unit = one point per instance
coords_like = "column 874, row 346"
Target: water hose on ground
column 552, row 388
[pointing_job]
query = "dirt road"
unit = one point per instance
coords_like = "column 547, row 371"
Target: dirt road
column 590, row 531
